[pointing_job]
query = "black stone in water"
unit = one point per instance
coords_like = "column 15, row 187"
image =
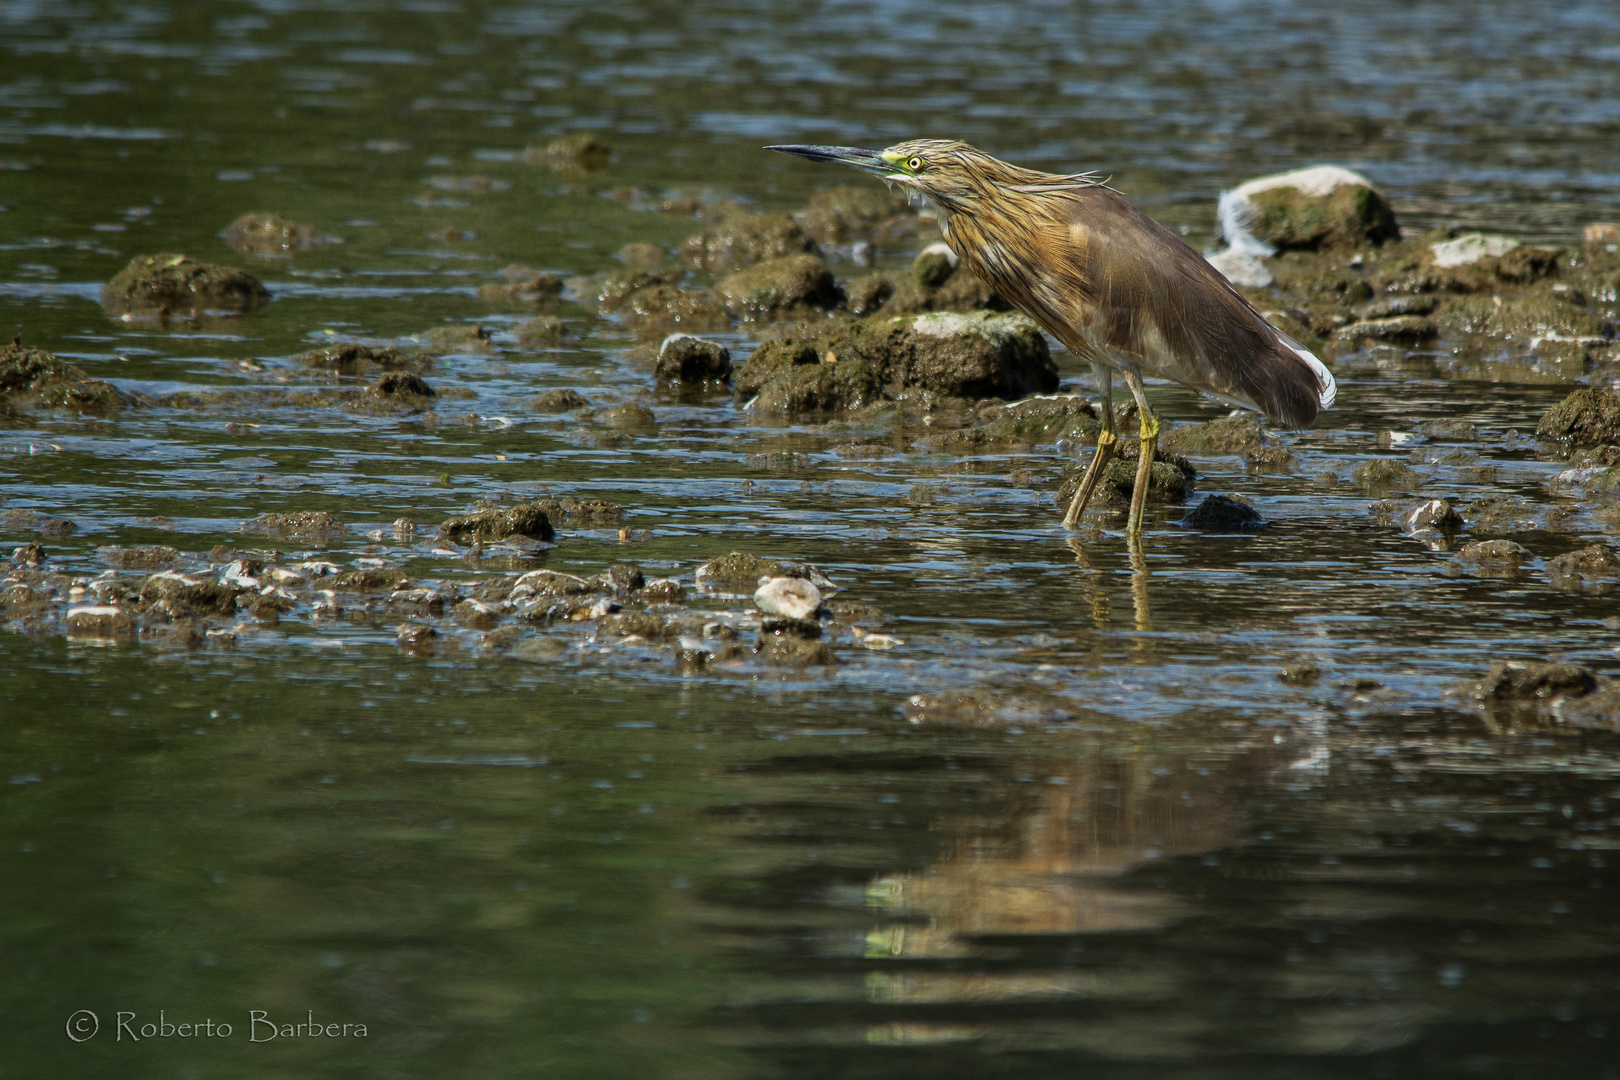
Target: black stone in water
column 1221, row 513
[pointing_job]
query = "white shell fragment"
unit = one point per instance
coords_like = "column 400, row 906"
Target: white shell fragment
column 794, row 598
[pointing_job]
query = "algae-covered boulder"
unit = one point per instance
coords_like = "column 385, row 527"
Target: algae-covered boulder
column 34, row 377
column 975, row 355
column 1538, row 310
column 778, row 286
column 853, row 212
column 1309, row 209
column 739, row 239
column 558, row 401
column 543, row 330
column 819, row 388
column 169, row 284
column 1039, row 420
column 1234, row 435
column 661, row 308
column 398, row 391
column 1470, row 248
column 1170, row 478
column 261, row 233
column 771, row 359
column 1511, row 680
column 687, row 359
column 488, row 522
column 1587, row 417
column 937, row 282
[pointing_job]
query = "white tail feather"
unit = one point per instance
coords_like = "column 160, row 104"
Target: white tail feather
column 1329, row 389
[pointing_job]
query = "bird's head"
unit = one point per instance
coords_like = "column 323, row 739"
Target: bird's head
column 946, row 172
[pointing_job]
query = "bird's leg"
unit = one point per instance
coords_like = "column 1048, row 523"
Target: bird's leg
column 1105, row 448
column 1144, row 464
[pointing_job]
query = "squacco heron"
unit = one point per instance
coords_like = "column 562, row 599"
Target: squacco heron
column 1118, row 289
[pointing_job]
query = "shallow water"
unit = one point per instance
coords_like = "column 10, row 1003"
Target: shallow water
column 1154, row 859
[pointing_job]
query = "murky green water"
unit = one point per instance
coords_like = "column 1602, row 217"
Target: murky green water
column 1158, row 860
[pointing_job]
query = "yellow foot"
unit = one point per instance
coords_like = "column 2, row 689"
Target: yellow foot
column 1144, row 475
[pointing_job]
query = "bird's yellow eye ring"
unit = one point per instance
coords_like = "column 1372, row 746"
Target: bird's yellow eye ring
column 915, row 164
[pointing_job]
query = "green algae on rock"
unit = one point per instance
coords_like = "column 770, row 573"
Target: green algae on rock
column 157, row 286
column 1308, row 209
column 850, row 213
column 775, row 287
column 1587, row 417
column 34, row 377
column 489, row 522
column 577, row 154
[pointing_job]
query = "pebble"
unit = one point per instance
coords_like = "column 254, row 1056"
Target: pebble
column 793, row 598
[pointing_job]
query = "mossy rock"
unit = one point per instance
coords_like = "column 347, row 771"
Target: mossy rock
column 771, row 359
column 170, row 284
column 1587, row 417
column 1229, row 435
column 816, row 388
column 976, row 354
column 740, row 239
column 659, row 309
column 777, row 286
column 34, row 377
column 1170, row 478
column 488, row 522
column 1040, row 420
column 1290, row 217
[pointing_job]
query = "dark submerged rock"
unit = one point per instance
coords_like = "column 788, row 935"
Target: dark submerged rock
column 170, row 284
column 687, row 359
column 556, row 401
column 352, row 359
column 1222, row 513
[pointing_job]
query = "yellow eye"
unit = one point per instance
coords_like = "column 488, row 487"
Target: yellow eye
column 915, row 164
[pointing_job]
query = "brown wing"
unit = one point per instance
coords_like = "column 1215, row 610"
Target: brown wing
column 1103, row 277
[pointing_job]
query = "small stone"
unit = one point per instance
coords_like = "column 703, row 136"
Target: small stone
column 557, row 401
column 543, row 330
column 415, row 636
column 1385, row 473
column 630, row 417
column 28, row 555
column 1601, row 233
column 793, row 598
column 572, row 155
column 1434, row 514
column 1222, row 513
column 494, row 523
column 1577, row 568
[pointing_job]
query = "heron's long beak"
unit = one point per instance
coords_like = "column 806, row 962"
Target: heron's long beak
column 865, row 160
